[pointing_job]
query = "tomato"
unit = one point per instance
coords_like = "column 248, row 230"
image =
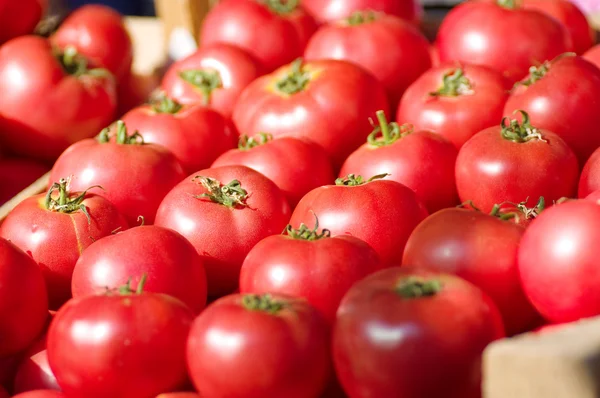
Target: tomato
column 281, row 348
column 17, row 174
column 455, row 100
column 383, row 213
column 589, row 181
column 562, row 239
column 179, row 395
column 70, row 102
column 274, row 32
column 333, row 10
column 55, row 228
column 196, row 135
column 122, row 344
column 573, row 117
column 3, row 393
column 134, row 175
column 214, row 75
column 98, row 33
column 8, row 370
column 34, row 372
column 170, row 261
column 328, row 102
column 413, row 333
column 502, row 35
column 20, row 18
column 356, row 38
column 295, row 165
column 421, row 160
column 514, row 163
column 41, row 394
column 224, row 212
column 593, row 55
column 134, row 90
column 23, row 300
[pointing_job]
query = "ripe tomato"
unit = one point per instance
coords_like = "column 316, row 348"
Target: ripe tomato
column 23, row 300
column 195, row 134
column 224, row 212
column 19, row 18
column 55, row 228
column 573, row 117
column 274, row 32
column 421, row 160
column 333, row 10
column 135, row 175
column 355, row 39
column 455, row 101
column 70, row 102
column 383, row 213
column 514, row 163
column 281, row 348
column 593, row 55
column 41, row 394
column 295, row 165
column 179, row 395
column 17, row 174
column 284, row 104
column 214, row 75
column 3, row 393
column 502, row 35
column 589, row 181
column 8, row 370
column 122, row 344
column 34, row 372
column 134, row 90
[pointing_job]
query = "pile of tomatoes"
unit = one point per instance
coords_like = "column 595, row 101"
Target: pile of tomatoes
column 317, row 203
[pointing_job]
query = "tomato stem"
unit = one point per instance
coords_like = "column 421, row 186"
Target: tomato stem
column 305, row 233
column 76, row 65
column 296, row 80
column 205, row 80
column 361, row 17
column 390, row 132
column 165, row 104
column 520, row 133
column 353, row 180
column 230, row 195
column 64, row 203
column 510, row 4
column 414, row 287
column 246, row 143
column 265, row 303
column 122, row 138
column 454, row 83
column 522, row 210
column 127, row 290
column 282, row 7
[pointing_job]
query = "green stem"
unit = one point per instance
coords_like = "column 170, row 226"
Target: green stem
column 520, row 133
column 296, row 80
column 415, row 287
column 353, row 180
column 282, row 7
column 246, row 143
column 265, row 303
column 64, row 203
column 454, row 83
column 230, row 195
column 510, row 4
column 390, row 132
column 166, row 104
column 305, row 233
column 127, row 290
column 121, row 136
column 205, row 80
column 361, row 17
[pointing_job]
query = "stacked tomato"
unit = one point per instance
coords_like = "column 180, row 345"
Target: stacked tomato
column 318, row 203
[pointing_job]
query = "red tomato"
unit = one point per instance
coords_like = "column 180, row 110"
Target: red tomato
column 34, row 372
column 41, row 394
column 413, row 334
column 357, row 38
column 70, row 102
column 135, row 175
column 421, row 160
column 19, row 18
column 594, row 196
column 56, row 227
column 574, row 116
column 179, row 395
column 134, row 90
column 3, row 393
column 98, row 33
column 593, row 55
column 8, row 370
column 196, row 135
column 17, row 174
column 122, row 344
column 589, row 181
column 170, row 261
column 224, row 212
column 455, row 101
column 274, row 32
column 328, row 102
column 275, row 346
column 383, row 213
column 514, row 163
column 295, row 165
column 559, row 264
column 502, row 35
column 23, row 300
column 333, row 10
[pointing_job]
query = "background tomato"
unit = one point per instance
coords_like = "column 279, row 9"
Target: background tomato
column 17, row 174
column 593, row 55
column 179, row 395
column 333, row 10
column 41, row 394
column 20, row 18
column 589, row 181
column 34, row 372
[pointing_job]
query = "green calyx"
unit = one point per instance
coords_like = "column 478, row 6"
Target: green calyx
column 121, row 136
column 415, row 287
column 521, row 210
column 538, row 72
column 352, row 180
column 282, row 7
column 361, row 17
column 165, row 104
column 246, row 143
column 64, row 203
column 387, row 133
column 230, row 195
column 75, row 64
column 127, row 289
column 265, row 303
column 296, row 80
column 520, row 133
column 454, row 83
column 305, row 233
column 204, row 80
column 510, row 4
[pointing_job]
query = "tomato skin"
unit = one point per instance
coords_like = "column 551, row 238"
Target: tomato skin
column 593, row 55
column 67, row 108
column 41, row 394
column 457, row 118
column 17, row 174
column 297, row 166
column 179, row 395
column 594, row 196
column 8, row 370
column 333, row 10
column 277, row 355
column 34, row 372
column 335, row 88
column 20, row 18
column 589, row 182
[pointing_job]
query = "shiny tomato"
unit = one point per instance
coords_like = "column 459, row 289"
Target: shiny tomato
column 573, row 117
column 274, row 32
column 41, row 394
column 513, row 163
column 19, row 18
column 413, row 334
column 195, row 134
column 134, row 175
column 383, row 213
column 224, row 212
column 295, row 165
column 17, row 174
column 456, row 101
column 589, row 181
column 593, row 55
column 328, row 102
column 333, row 10
column 56, row 227
column 594, row 196
column 281, row 348
column 70, row 102
column 502, row 35
column 356, row 39
column 421, row 160
column 34, row 372
column 179, row 395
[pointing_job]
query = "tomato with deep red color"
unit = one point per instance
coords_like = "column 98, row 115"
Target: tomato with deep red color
column 41, row 394
column 34, row 372
column 134, row 175
column 134, row 90
column 3, row 393
column 413, row 333
column 224, row 212
column 593, row 55
column 17, row 174
column 502, row 35
column 357, row 38
column 8, row 370
column 295, row 165
column 421, row 160
column 19, row 18
column 333, row 10
column 179, row 395
column 589, row 182
column 301, row 99
column 50, row 100
column 455, row 100
column 281, row 348
column 55, row 228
